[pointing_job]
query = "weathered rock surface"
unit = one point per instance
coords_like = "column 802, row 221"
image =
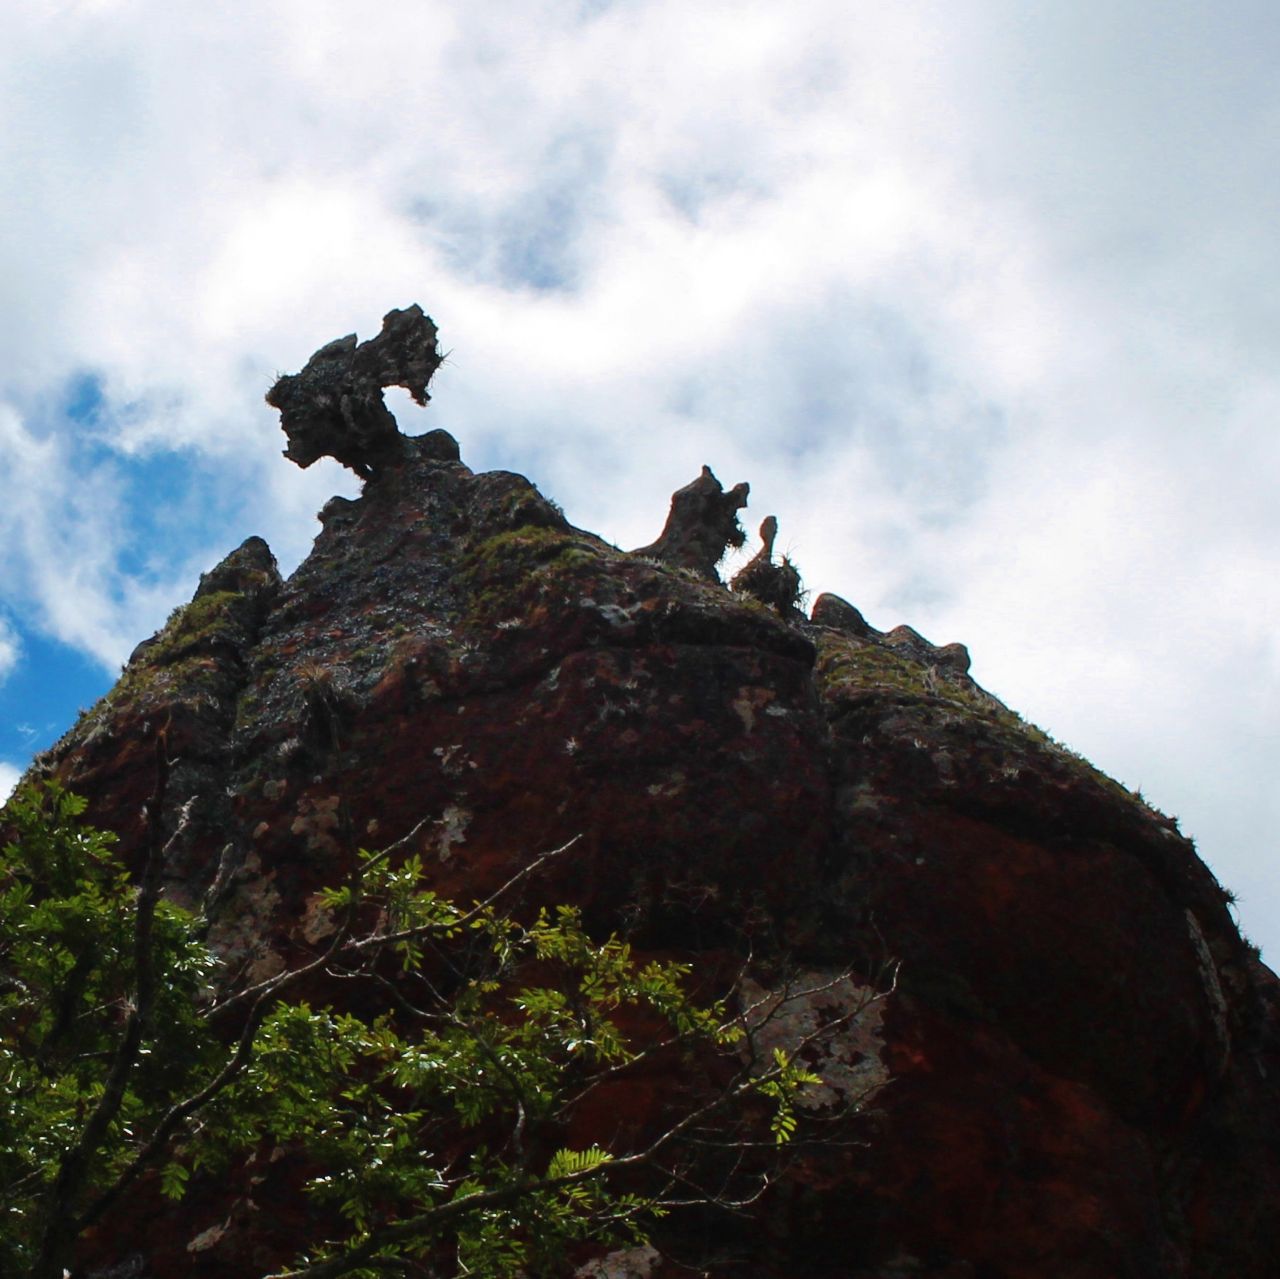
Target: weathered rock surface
column 334, row 407
column 1082, row 1056
column 701, row 526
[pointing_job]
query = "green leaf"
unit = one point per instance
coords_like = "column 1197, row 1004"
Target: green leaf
column 173, row 1180
column 565, row 1163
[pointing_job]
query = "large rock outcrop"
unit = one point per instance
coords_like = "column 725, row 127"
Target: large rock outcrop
column 1081, row 1059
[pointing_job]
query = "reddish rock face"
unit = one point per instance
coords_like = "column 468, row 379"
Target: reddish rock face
column 1081, row 1061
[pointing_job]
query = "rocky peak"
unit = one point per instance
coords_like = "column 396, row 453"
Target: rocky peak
column 335, row 407
column 1080, row 1065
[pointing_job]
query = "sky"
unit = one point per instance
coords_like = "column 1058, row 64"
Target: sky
column 982, row 297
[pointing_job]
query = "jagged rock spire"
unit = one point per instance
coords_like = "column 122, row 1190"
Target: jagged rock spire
column 701, row 526
column 777, row 585
column 334, row 406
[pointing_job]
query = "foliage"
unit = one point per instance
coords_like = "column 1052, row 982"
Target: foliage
column 67, row 976
column 430, row 1117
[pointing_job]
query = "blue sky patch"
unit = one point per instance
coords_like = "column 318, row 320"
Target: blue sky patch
column 43, row 694
column 84, row 397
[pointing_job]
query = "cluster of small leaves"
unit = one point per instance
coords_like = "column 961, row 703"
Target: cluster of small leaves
column 784, row 1082
column 431, row 1123
column 462, row 1091
column 66, row 984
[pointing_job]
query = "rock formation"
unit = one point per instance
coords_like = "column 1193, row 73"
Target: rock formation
column 777, row 585
column 1081, row 1060
column 334, row 407
column 701, row 526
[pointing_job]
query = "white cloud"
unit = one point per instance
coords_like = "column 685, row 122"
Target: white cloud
column 9, row 776
column 10, row 649
column 981, row 299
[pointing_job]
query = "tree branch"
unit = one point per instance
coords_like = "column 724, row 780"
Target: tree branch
column 74, row 1167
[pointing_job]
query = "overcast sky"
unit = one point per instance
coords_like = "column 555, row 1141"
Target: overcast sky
column 982, row 298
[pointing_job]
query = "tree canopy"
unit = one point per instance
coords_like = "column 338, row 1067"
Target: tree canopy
column 425, row 1112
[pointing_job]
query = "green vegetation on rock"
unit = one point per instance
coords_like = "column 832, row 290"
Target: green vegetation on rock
column 429, row 1126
